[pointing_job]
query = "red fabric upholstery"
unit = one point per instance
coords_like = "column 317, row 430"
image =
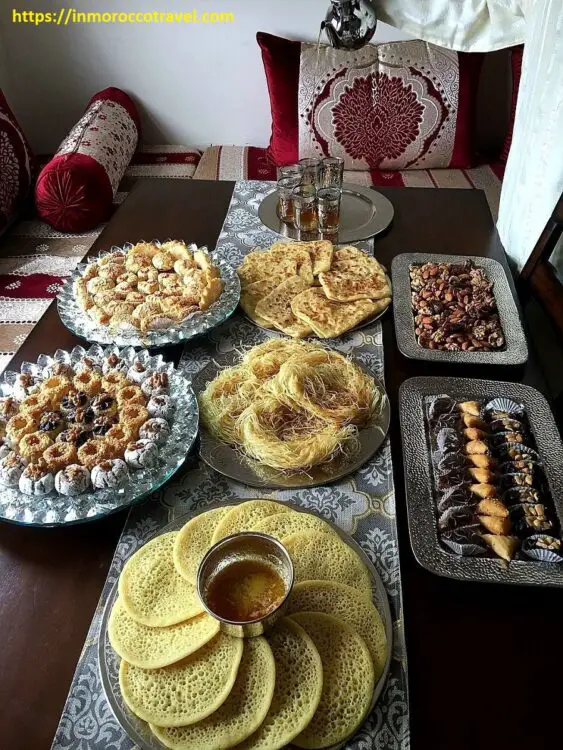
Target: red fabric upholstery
column 16, row 161
column 516, row 64
column 75, row 190
column 420, row 116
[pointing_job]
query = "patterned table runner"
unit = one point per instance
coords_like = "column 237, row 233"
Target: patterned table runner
column 362, row 505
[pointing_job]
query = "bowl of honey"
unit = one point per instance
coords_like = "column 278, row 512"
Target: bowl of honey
column 244, row 581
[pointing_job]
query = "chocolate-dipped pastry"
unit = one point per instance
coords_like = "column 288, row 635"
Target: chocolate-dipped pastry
column 543, row 547
column 530, row 518
column 440, row 405
column 464, row 540
column 507, row 424
column 457, row 495
column 446, row 462
column 451, row 479
column 520, row 479
column 448, row 440
column 504, row 438
column 447, row 420
column 517, row 495
column 524, row 466
column 457, row 515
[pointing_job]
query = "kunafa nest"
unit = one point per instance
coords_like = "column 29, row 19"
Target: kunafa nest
column 291, row 405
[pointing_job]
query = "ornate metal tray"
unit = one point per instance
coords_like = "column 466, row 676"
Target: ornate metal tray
column 364, row 213
column 419, row 487
column 76, row 320
column 136, row 728
column 516, row 349
column 231, row 463
column 57, row 510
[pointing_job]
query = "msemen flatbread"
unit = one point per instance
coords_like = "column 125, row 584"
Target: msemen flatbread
column 348, row 605
column 349, row 285
column 151, row 648
column 283, row 525
column 251, row 295
column 348, row 680
column 276, row 308
column 240, row 715
column 299, row 683
column 151, row 589
column 261, row 264
column 187, row 691
column 329, row 319
column 244, row 516
column 323, row 557
column 193, row 541
column 320, row 252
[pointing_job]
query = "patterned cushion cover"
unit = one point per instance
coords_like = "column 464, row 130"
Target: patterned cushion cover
column 75, row 190
column 401, row 105
column 16, row 160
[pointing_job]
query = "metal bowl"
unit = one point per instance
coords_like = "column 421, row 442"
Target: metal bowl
column 246, row 546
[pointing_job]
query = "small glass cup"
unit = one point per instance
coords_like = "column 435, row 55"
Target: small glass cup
column 286, row 187
column 305, row 208
column 329, row 209
column 291, row 170
column 311, row 171
column 332, row 172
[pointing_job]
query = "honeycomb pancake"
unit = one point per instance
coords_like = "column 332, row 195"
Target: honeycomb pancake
column 276, row 308
column 329, row 319
column 348, row 605
column 240, row 715
column 283, row 525
column 299, row 683
column 323, row 557
column 251, row 295
column 151, row 589
column 320, row 252
column 193, row 541
column 151, row 648
column 187, row 691
column 262, row 264
column 244, row 516
column 348, row 680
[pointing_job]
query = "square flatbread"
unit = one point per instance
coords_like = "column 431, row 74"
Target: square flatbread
column 276, row 308
column 349, row 285
column 328, row 318
column 252, row 294
column 320, row 252
column 261, row 264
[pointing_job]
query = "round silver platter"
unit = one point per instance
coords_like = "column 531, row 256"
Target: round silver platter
column 231, row 463
column 364, row 213
column 58, row 510
column 138, row 730
column 77, row 321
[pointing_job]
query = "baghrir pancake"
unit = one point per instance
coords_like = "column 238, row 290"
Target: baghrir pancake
column 283, row 525
column 193, row 541
column 242, row 517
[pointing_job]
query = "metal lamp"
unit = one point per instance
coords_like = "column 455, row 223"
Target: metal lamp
column 350, row 24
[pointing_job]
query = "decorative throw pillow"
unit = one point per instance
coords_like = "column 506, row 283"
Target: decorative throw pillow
column 75, row 190
column 16, row 160
column 401, row 105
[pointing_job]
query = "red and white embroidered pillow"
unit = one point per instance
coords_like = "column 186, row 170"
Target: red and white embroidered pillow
column 16, row 161
column 401, row 105
column 75, row 190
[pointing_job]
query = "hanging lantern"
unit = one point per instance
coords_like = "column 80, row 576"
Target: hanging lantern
column 350, row 24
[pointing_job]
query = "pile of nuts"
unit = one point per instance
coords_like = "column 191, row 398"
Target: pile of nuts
column 455, row 308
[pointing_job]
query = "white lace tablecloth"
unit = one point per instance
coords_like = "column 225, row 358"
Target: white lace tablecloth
column 362, row 505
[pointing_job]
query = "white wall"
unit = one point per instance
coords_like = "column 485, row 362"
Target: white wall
column 195, row 84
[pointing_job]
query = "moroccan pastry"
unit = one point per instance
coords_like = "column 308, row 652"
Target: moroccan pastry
column 112, row 362
column 155, row 429
column 37, row 480
column 133, row 416
column 32, row 446
column 55, row 388
column 87, row 364
column 102, row 425
column 4, row 449
column 160, row 406
column 76, row 435
column 24, row 384
column 113, row 381
column 11, row 469
column 73, row 480
column 104, row 405
column 62, row 369
column 110, row 474
column 330, row 319
column 71, row 402
column 131, row 394
column 35, row 404
column 156, row 384
column 142, row 454
column 18, row 426
column 137, row 373
column 51, row 423
column 8, row 407
column 117, row 438
column 88, row 381
column 83, row 417
column 59, row 455
column 93, row 452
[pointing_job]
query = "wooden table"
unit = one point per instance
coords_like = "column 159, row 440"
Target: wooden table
column 485, row 661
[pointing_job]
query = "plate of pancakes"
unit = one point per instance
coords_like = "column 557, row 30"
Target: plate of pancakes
column 173, row 677
column 313, row 288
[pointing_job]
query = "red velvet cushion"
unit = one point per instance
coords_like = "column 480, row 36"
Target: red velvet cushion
column 75, row 190
column 16, row 161
column 420, row 117
column 516, row 64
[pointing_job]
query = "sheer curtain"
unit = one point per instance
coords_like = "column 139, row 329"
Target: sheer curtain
column 533, row 179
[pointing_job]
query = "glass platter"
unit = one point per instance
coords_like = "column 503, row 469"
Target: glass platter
column 58, row 510
column 232, row 463
column 77, row 321
column 137, row 730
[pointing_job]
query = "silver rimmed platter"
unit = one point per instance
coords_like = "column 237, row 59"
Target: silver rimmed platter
column 57, row 510
column 364, row 213
column 419, row 486
column 196, row 324
column 515, row 351
column 232, row 463
column 136, row 729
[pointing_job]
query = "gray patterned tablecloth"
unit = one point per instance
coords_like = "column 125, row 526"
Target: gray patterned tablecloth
column 362, row 505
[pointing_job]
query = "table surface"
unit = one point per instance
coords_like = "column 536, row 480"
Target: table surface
column 470, row 670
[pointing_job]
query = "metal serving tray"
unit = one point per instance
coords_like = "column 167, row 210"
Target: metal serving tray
column 420, row 491
column 516, row 349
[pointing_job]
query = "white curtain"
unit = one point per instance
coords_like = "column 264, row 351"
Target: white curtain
column 533, row 179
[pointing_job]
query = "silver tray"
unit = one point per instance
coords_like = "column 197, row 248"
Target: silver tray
column 516, row 348
column 77, row 321
column 57, row 510
column 138, row 730
column 419, row 486
column 231, row 463
column 364, row 213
